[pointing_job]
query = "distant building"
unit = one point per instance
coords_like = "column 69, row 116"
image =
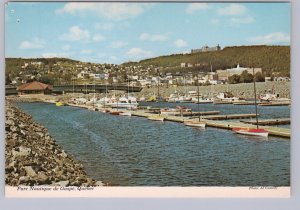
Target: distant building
column 224, row 74
column 206, row 49
column 34, row 88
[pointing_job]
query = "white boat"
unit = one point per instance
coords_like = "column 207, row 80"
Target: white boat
column 202, row 100
column 198, row 124
column 126, row 103
column 270, row 96
column 251, row 131
column 227, row 96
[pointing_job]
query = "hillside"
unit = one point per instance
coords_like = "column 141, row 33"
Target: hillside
column 269, row 58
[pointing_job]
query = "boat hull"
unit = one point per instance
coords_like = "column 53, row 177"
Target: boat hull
column 251, row 132
column 195, row 124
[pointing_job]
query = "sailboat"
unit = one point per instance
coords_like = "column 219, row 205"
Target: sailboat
column 252, row 131
column 196, row 123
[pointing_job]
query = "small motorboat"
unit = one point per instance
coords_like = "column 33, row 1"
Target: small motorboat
column 60, row 103
column 115, row 112
column 251, row 131
column 156, row 118
column 198, row 124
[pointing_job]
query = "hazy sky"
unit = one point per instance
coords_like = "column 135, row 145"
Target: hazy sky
column 120, row 32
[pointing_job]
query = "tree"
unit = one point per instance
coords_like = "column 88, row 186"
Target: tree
column 234, row 79
column 246, row 77
column 259, row 77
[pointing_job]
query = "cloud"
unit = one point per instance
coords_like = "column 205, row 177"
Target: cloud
column 35, row 43
column 233, row 9
column 215, row 21
column 194, row 7
column 139, row 53
column 111, row 11
column 118, row 44
column 76, row 34
column 152, row 37
column 179, row 43
column 98, row 38
column 277, row 37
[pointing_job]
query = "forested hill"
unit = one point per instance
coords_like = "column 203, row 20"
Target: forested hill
column 269, row 58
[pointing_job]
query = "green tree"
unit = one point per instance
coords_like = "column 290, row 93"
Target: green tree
column 259, row 77
column 234, row 79
column 246, row 77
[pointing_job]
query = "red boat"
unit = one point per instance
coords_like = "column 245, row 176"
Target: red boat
column 251, row 131
column 115, row 112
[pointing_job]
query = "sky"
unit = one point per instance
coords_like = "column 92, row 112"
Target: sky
column 121, row 32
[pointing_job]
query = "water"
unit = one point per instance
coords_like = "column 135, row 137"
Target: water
column 135, row 151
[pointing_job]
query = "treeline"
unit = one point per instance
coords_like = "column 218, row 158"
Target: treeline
column 269, row 58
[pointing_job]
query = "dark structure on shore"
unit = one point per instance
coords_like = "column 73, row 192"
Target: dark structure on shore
column 34, row 88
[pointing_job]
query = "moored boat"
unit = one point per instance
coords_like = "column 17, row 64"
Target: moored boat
column 60, row 103
column 112, row 112
column 251, row 131
column 125, row 114
column 198, row 124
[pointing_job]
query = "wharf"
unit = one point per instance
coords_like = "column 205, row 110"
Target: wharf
column 275, row 104
column 244, row 103
column 222, row 102
column 229, row 116
column 279, row 121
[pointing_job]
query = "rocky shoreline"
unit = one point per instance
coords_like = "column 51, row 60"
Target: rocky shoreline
column 243, row 90
column 32, row 157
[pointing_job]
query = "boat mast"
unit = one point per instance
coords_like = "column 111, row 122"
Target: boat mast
column 158, row 96
column 255, row 98
column 198, row 104
column 94, row 93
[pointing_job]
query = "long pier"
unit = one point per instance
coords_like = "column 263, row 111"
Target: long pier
column 279, row 121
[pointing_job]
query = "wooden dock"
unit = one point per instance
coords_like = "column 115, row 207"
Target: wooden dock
column 280, row 121
column 244, row 103
column 222, row 102
column 275, row 104
column 229, row 116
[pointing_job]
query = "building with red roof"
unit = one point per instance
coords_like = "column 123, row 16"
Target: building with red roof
column 34, row 88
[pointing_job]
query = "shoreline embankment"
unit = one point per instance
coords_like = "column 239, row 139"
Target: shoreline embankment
column 32, row 156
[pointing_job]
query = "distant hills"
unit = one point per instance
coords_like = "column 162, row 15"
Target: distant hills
column 269, row 58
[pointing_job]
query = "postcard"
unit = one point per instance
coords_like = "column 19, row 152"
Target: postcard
column 147, row 99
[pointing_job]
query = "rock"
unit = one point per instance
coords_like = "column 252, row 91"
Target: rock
column 42, row 178
column 29, row 171
column 61, row 183
column 23, row 179
column 11, row 142
column 22, row 151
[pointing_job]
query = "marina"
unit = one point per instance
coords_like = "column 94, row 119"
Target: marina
column 110, row 146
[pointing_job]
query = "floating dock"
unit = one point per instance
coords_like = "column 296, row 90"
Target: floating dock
column 229, row 116
column 279, row 121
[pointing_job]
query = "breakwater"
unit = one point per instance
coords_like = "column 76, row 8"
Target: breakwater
column 32, row 156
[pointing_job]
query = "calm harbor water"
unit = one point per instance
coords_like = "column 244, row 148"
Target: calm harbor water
column 133, row 151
